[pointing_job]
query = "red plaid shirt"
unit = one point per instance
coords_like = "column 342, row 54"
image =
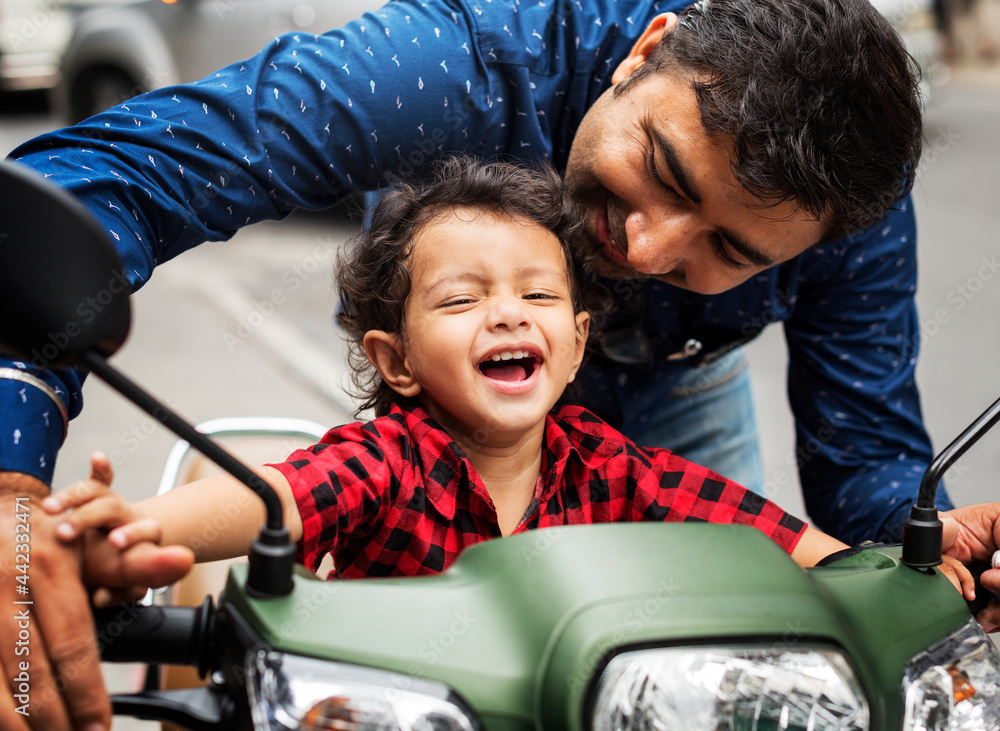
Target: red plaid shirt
column 398, row 497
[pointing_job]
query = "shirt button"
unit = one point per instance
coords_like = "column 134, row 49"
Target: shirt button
column 623, row 379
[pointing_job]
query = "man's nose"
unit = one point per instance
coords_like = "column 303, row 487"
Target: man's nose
column 508, row 312
column 658, row 242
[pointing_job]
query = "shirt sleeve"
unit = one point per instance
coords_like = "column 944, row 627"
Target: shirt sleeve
column 853, row 341
column 300, row 125
column 674, row 490
column 339, row 487
column 36, row 406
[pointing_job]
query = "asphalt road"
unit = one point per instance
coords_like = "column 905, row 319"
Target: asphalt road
column 243, row 328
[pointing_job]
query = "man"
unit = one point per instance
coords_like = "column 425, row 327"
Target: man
column 745, row 164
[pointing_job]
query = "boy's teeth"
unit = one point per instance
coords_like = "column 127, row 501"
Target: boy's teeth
column 508, row 355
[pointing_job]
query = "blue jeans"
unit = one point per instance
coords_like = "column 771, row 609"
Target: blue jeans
column 704, row 414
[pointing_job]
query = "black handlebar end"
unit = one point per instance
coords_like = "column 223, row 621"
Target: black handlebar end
column 922, row 534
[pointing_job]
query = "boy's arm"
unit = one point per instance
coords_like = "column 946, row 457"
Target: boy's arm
column 815, row 545
column 218, row 517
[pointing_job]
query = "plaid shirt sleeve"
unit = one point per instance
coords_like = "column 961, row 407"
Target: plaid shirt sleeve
column 339, row 494
column 638, row 484
column 674, row 489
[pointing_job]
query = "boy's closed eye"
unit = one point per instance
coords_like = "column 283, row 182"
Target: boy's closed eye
column 458, row 301
column 542, row 296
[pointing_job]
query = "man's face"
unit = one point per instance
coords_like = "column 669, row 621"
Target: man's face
column 662, row 200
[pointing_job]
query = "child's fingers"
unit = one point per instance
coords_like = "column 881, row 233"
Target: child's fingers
column 101, row 469
column 108, row 511
column 77, row 494
column 129, row 534
column 101, row 475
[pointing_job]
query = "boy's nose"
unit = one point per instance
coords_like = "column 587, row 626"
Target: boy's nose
column 509, row 313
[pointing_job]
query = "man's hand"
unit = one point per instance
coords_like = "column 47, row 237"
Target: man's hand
column 61, row 687
column 49, row 649
column 971, row 534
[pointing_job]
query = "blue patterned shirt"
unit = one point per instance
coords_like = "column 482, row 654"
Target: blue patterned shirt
column 311, row 119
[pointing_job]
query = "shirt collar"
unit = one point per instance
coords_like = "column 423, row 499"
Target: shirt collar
column 571, row 433
column 444, row 464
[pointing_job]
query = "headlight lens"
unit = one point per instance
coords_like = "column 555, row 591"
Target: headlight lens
column 731, row 687
column 295, row 692
column 954, row 685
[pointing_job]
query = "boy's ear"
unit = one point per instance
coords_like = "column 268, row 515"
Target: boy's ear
column 660, row 25
column 582, row 330
column 387, row 355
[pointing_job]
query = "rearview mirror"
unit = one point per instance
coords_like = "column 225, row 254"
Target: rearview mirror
column 62, row 291
column 65, row 302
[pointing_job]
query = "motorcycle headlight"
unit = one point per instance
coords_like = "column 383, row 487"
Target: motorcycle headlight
column 294, row 692
column 734, row 687
column 954, row 685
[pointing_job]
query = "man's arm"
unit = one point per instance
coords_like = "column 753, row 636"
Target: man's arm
column 303, row 124
column 853, row 341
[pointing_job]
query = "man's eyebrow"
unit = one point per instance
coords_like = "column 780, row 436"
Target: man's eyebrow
column 751, row 253
column 677, row 170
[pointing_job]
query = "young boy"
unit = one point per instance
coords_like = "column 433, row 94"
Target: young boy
column 466, row 310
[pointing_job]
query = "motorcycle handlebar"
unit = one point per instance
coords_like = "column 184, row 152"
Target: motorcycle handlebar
column 156, row 635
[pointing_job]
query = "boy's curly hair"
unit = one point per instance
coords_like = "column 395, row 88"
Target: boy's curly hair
column 371, row 273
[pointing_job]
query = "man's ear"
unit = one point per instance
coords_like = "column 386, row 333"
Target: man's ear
column 387, row 355
column 582, row 330
column 661, row 24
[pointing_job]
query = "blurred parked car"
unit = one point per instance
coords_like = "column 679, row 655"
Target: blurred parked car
column 33, row 35
column 131, row 47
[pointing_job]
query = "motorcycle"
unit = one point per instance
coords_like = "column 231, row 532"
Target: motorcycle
column 585, row 628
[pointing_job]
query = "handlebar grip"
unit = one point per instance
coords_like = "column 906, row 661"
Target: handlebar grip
column 155, row 635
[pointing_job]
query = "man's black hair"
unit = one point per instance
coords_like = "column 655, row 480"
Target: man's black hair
column 820, row 98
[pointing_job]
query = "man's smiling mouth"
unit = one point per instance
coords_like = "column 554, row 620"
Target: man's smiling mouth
column 510, row 365
column 602, row 231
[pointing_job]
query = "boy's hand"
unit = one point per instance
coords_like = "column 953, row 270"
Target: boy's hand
column 122, row 557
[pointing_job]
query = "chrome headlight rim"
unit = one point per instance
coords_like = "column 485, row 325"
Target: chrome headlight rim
column 264, row 667
column 723, row 645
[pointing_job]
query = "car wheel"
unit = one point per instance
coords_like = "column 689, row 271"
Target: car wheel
column 98, row 89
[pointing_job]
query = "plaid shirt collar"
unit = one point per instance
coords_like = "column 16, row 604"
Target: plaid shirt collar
column 435, row 446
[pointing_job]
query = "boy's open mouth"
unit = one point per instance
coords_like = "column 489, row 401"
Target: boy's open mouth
column 510, row 365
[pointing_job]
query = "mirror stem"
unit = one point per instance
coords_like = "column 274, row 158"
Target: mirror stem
column 922, row 531
column 271, row 554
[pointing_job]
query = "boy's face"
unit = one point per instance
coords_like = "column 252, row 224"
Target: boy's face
column 661, row 197
column 491, row 339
